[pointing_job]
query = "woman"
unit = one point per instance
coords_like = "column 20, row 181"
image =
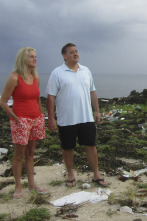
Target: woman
column 26, row 117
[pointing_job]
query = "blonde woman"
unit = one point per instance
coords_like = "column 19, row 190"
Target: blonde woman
column 26, row 117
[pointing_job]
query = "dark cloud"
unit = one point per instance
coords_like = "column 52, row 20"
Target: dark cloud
column 110, row 35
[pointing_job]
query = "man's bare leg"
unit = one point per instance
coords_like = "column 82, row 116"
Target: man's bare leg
column 68, row 157
column 92, row 157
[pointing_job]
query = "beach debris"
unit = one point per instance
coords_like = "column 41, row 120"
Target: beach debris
column 111, row 118
column 113, row 115
column 82, row 197
column 3, row 151
column 86, row 186
column 126, row 209
column 144, row 130
column 132, row 174
column 69, row 209
column 143, row 127
column 104, row 100
column 138, row 107
column 135, row 173
column 57, row 164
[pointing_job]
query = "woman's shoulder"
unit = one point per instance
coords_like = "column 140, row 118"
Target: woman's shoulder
column 14, row 76
column 12, row 80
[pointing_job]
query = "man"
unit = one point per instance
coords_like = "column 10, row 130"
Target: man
column 71, row 88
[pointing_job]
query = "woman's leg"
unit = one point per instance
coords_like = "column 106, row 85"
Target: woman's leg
column 17, row 166
column 29, row 162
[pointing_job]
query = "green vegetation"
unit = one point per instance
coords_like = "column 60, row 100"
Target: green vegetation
column 38, row 199
column 36, row 214
column 56, row 182
column 6, row 197
column 128, row 198
column 4, row 216
column 117, row 138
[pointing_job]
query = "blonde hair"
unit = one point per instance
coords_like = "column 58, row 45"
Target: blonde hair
column 21, row 66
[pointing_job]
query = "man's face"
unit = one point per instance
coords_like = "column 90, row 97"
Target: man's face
column 71, row 56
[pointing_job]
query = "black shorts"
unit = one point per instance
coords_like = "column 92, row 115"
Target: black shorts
column 85, row 132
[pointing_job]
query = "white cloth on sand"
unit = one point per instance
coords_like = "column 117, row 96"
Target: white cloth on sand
column 83, row 196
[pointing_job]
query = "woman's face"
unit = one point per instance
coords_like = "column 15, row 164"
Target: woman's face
column 31, row 59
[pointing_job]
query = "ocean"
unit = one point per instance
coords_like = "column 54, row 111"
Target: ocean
column 110, row 86
column 107, row 85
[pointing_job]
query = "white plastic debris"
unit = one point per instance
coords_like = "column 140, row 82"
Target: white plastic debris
column 105, row 100
column 86, row 186
column 81, row 197
column 3, row 151
column 126, row 209
column 57, row 164
column 134, row 173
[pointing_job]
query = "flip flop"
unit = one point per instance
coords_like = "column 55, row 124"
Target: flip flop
column 99, row 182
column 72, row 182
column 17, row 196
column 40, row 190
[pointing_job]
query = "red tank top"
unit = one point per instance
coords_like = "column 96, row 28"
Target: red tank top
column 25, row 99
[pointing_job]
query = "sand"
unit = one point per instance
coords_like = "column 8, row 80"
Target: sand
column 100, row 211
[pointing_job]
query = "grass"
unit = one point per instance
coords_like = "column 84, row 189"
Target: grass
column 142, row 186
column 36, row 214
column 6, row 197
column 37, row 198
column 128, row 198
column 4, row 216
column 56, row 183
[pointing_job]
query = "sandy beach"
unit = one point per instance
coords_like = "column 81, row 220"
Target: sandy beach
column 100, row 211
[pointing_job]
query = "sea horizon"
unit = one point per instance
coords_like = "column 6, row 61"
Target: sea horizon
column 107, row 85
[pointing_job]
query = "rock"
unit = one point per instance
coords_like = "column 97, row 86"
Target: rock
column 137, row 219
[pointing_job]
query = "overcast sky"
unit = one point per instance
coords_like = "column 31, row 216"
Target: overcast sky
column 111, row 35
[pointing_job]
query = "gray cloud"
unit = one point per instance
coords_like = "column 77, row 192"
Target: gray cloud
column 111, row 35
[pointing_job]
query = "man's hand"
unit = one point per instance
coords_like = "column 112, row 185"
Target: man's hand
column 52, row 124
column 97, row 117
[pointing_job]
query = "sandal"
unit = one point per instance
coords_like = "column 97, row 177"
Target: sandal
column 17, row 196
column 71, row 183
column 100, row 182
column 40, row 190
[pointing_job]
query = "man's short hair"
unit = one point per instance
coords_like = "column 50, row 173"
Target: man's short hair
column 63, row 51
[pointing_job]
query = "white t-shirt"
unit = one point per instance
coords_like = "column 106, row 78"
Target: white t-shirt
column 72, row 91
